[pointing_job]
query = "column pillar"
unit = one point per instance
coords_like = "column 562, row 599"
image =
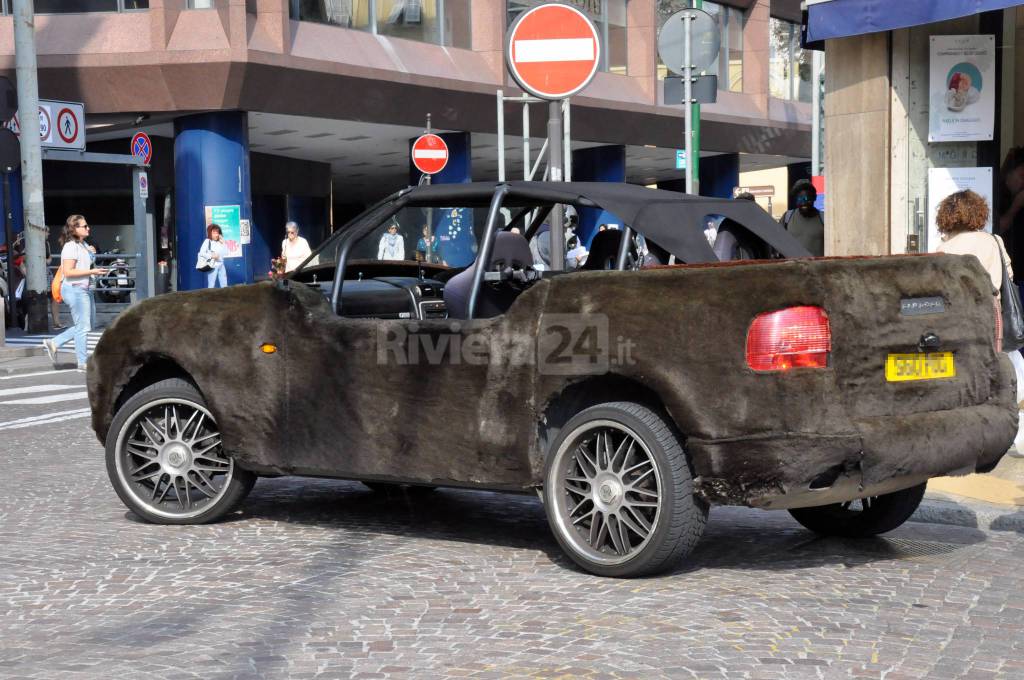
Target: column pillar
column 211, row 168
column 719, row 174
column 597, row 164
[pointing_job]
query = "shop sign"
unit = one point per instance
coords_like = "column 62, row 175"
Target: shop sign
column 228, row 218
column 962, row 88
column 945, row 181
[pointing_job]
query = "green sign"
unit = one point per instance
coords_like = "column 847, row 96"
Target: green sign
column 229, row 219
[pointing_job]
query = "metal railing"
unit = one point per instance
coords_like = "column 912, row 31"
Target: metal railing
column 117, row 289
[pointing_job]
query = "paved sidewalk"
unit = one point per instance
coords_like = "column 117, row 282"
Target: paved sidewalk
column 23, row 352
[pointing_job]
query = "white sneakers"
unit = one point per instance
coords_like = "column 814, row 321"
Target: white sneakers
column 51, row 351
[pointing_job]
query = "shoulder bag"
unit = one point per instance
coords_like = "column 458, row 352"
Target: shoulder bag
column 204, row 262
column 1013, row 313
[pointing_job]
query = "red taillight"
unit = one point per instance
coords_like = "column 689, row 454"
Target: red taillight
column 797, row 337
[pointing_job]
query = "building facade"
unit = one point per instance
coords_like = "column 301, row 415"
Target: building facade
column 304, row 109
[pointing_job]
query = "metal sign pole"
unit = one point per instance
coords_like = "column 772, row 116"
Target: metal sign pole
column 557, row 230
column 501, row 136
column 430, row 211
column 688, row 97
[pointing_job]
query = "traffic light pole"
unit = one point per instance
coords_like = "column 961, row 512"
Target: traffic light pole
column 31, row 165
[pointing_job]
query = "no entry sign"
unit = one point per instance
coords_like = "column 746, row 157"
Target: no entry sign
column 429, row 154
column 552, row 51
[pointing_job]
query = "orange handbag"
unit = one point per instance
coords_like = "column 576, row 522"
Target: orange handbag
column 58, row 278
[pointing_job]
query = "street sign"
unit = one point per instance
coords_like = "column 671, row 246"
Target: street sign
column 680, row 159
column 429, row 154
column 142, row 147
column 705, row 40
column 143, row 185
column 61, row 124
column 763, row 190
column 552, row 51
column 703, row 91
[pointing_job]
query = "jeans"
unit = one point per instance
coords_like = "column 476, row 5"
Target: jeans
column 217, row 274
column 83, row 313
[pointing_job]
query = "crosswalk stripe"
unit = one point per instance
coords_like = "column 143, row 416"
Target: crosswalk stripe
column 51, row 399
column 10, row 392
column 19, row 376
column 46, row 416
column 55, row 419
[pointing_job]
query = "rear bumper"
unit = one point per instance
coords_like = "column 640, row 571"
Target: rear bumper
column 879, row 455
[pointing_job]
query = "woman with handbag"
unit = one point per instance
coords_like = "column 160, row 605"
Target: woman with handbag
column 76, row 261
column 211, row 258
column 961, row 219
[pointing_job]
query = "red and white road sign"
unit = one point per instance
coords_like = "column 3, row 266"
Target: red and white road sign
column 68, row 125
column 65, row 131
column 429, row 154
column 552, row 51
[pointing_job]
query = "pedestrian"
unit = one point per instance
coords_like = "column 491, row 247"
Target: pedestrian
column 76, row 261
column 1011, row 196
column 427, row 243
column 392, row 245
column 294, row 248
column 805, row 222
column 214, row 249
column 961, row 219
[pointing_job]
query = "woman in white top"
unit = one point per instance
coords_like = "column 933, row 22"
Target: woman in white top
column 76, row 261
column 294, row 249
column 961, row 220
column 215, row 250
column 392, row 245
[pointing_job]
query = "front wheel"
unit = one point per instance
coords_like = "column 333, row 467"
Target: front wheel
column 165, row 458
column 862, row 517
column 618, row 492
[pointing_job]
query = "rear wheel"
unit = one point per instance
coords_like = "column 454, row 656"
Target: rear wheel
column 618, row 492
column 166, row 461
column 864, row 516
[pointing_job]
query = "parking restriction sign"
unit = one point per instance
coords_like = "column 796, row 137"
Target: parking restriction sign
column 142, row 147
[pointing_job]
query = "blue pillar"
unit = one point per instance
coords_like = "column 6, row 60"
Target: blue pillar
column 597, row 164
column 453, row 227
column 719, row 174
column 211, row 168
column 18, row 218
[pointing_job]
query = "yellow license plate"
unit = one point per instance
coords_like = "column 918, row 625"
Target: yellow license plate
column 900, row 367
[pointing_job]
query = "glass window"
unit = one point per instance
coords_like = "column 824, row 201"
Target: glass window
column 200, row 4
column 441, row 22
column 79, row 6
column 609, row 17
column 789, row 66
column 729, row 64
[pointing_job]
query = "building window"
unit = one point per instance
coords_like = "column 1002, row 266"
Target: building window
column 789, row 66
column 441, row 22
column 200, row 4
column 729, row 64
column 80, row 6
column 609, row 17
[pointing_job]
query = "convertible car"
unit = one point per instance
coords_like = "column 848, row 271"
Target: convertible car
column 630, row 394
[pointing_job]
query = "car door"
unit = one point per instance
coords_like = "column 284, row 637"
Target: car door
column 404, row 397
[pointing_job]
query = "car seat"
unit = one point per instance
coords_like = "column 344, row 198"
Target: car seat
column 510, row 250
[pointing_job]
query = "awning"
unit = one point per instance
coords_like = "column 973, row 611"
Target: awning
column 841, row 18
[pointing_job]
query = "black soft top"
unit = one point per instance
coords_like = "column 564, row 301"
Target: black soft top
column 673, row 220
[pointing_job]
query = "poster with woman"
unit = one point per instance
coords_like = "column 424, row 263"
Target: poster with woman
column 962, row 88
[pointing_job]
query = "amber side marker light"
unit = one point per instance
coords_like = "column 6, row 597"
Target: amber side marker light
column 267, row 348
column 796, row 337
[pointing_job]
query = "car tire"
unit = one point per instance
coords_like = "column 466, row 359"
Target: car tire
column 877, row 514
column 165, row 459
column 627, row 507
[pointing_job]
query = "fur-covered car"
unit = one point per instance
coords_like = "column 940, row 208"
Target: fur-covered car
column 630, row 394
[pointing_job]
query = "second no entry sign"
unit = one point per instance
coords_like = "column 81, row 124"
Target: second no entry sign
column 552, row 51
column 429, row 154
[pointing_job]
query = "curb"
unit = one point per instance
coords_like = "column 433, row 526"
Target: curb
column 963, row 512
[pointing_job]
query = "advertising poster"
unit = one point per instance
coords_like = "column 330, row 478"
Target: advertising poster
column 228, row 218
column 945, row 181
column 454, row 230
column 962, row 88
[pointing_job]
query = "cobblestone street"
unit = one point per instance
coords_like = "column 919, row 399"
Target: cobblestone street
column 325, row 578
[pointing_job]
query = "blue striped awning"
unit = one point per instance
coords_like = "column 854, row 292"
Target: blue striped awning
column 841, row 18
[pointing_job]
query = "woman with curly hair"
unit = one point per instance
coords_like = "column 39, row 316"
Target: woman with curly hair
column 961, row 220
